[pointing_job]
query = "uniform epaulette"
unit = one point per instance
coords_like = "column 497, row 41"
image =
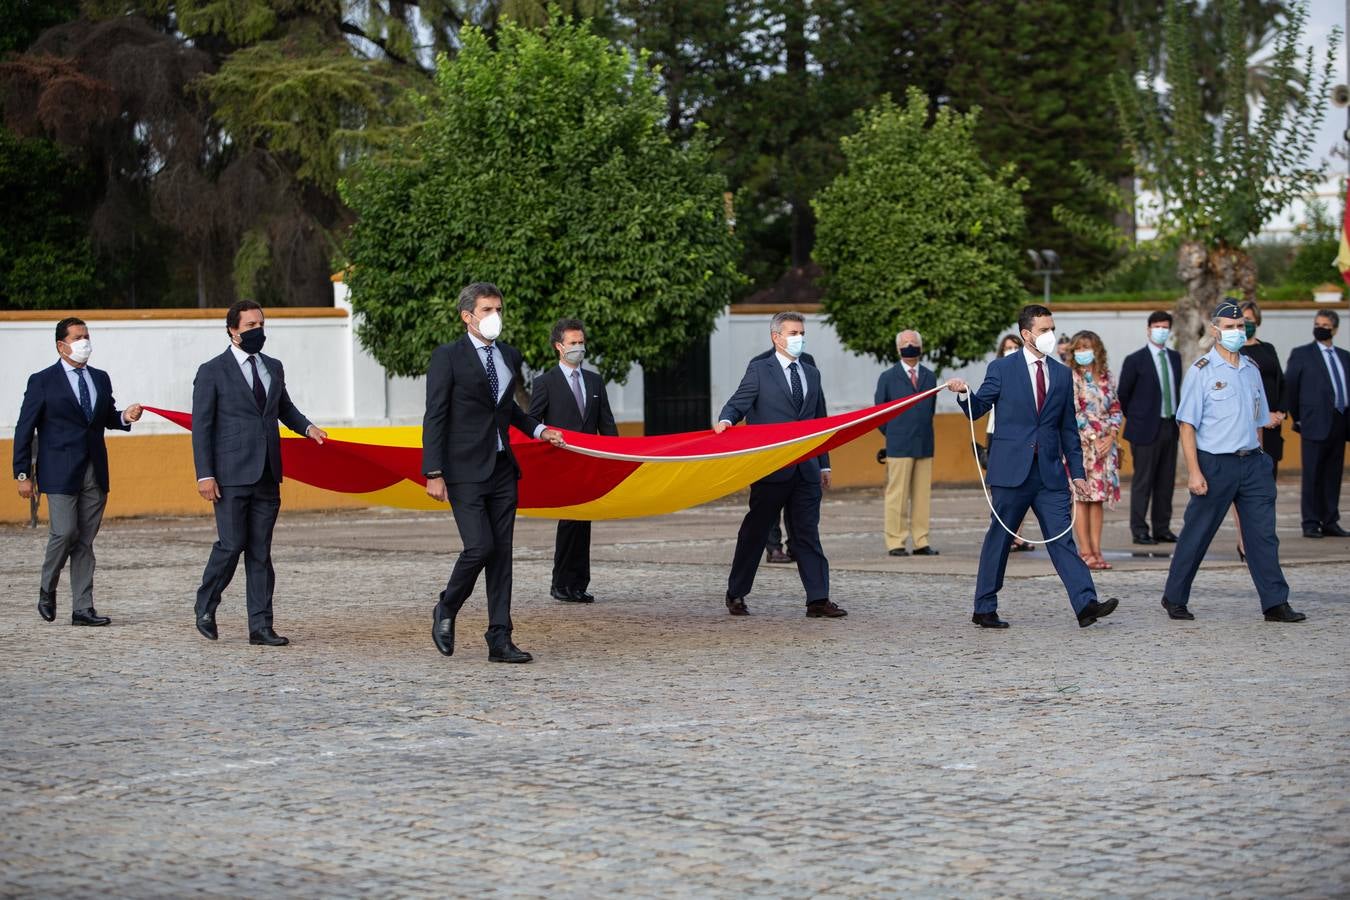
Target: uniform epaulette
column 1202, row 362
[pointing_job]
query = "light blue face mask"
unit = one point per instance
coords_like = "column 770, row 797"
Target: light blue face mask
column 796, row 343
column 1233, row 339
column 1160, row 335
column 1084, row 357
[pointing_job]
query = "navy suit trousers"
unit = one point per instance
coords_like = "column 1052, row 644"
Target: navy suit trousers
column 1052, row 512
column 1248, row 483
column 800, row 498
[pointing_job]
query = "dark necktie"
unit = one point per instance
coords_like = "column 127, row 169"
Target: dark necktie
column 914, row 378
column 1337, row 379
column 576, row 392
column 493, row 383
column 1040, row 385
column 85, row 403
column 798, row 395
column 259, row 393
column 1166, row 384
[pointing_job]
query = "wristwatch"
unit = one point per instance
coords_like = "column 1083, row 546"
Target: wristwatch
column 22, row 476
column 436, row 474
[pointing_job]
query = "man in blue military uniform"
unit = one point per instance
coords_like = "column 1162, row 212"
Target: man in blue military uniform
column 1222, row 407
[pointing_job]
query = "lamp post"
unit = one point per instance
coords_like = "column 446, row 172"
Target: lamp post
column 1045, row 263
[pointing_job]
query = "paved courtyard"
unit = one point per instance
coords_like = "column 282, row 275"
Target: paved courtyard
column 658, row 747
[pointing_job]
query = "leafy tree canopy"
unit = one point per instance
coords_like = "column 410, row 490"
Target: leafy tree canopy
column 543, row 167
column 45, row 258
column 918, row 232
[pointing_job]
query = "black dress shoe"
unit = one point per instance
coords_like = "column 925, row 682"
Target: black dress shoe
column 267, row 637
column 925, row 551
column 1095, row 610
column 1164, row 537
column 736, row 606
column 1144, row 539
column 508, row 653
column 1177, row 610
column 988, row 620
column 443, row 632
column 824, row 609
column 899, row 551
column 1283, row 613
column 206, row 624
column 777, row 556
column 47, row 605
column 1314, row 532
column 1334, row 530
column 585, row 596
column 88, row 616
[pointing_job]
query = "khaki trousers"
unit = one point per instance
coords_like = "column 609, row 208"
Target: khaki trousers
column 909, row 494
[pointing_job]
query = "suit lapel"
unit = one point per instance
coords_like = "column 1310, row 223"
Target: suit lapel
column 235, row 373
column 61, row 385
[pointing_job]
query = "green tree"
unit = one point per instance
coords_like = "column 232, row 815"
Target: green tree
column 45, row 258
column 544, row 167
column 1221, row 179
column 1039, row 73
column 919, row 232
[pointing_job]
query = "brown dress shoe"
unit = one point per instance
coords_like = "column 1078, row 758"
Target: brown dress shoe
column 824, row 609
column 736, row 606
column 778, row 556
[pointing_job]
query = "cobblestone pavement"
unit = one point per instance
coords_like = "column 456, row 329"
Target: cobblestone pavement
column 658, row 747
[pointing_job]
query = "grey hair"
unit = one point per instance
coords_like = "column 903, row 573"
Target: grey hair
column 904, row 332
column 469, row 297
column 776, row 326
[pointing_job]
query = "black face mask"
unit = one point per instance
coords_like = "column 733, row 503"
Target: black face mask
column 1321, row 334
column 251, row 341
column 911, row 352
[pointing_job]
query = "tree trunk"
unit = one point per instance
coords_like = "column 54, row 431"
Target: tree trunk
column 1209, row 274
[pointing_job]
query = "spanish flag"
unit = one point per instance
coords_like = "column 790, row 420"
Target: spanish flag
column 593, row 477
column 1343, row 254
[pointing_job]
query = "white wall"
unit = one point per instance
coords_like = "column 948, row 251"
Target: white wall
column 850, row 379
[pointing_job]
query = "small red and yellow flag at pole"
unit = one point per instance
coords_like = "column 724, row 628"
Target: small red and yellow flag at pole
column 1343, row 254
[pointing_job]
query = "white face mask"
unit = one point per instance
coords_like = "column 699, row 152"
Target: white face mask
column 1011, row 350
column 490, row 326
column 575, row 355
column 80, row 351
column 796, row 343
column 1046, row 342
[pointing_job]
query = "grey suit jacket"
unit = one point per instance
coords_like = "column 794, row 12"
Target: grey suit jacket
column 765, row 398
column 231, row 440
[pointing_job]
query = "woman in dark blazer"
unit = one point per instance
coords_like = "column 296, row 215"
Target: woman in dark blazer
column 1272, row 381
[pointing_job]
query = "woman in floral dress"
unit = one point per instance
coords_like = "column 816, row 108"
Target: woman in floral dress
column 1098, row 412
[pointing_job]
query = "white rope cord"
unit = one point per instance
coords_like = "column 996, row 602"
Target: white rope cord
column 1073, row 507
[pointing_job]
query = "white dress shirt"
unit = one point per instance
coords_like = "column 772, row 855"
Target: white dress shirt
column 242, row 359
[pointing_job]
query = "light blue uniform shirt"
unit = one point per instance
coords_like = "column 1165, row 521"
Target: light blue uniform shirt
column 1224, row 403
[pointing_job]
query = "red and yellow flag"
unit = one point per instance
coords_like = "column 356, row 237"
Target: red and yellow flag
column 1343, row 253
column 593, row 477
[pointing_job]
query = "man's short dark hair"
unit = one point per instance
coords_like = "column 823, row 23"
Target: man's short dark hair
column 565, row 325
column 237, row 308
column 1330, row 314
column 1029, row 314
column 472, row 293
column 63, row 327
column 1159, row 315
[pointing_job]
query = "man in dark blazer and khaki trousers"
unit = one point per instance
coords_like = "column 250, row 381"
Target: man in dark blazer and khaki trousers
column 237, row 400
column 569, row 397
column 69, row 405
column 909, row 448
column 467, row 459
column 779, row 389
